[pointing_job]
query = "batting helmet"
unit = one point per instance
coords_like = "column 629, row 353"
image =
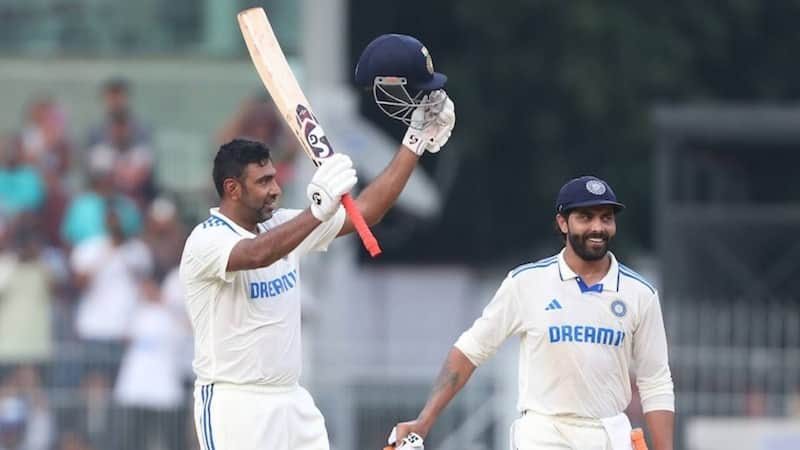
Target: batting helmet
column 400, row 70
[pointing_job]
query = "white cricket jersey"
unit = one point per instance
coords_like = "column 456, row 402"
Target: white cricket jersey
column 578, row 342
column 246, row 323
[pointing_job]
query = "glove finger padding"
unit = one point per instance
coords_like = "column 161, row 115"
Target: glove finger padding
column 439, row 121
column 437, row 101
column 445, row 122
column 447, row 116
column 333, row 164
column 436, row 143
column 332, row 179
column 343, row 182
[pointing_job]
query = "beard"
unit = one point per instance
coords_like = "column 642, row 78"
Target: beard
column 581, row 246
column 265, row 212
column 260, row 209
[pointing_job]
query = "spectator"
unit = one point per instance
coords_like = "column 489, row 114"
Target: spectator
column 86, row 214
column 116, row 99
column 149, row 388
column 25, row 302
column 164, row 234
column 22, row 187
column 132, row 162
column 44, row 140
column 43, row 146
column 25, row 419
column 107, row 270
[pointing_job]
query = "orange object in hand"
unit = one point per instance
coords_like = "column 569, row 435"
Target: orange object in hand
column 637, row 439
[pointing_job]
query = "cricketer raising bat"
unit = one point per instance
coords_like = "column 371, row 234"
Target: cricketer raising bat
column 277, row 76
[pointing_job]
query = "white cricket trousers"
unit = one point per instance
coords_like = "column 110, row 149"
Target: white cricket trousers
column 249, row 417
column 539, row 432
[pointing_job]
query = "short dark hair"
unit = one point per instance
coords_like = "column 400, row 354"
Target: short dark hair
column 233, row 157
column 565, row 215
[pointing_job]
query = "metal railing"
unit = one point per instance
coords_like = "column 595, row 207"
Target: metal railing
column 729, row 358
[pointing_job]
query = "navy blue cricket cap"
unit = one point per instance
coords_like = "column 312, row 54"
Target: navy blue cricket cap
column 398, row 55
column 584, row 192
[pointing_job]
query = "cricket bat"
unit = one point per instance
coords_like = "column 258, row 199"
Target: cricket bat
column 277, row 76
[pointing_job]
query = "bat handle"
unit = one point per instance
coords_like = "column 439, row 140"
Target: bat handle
column 637, row 439
column 370, row 243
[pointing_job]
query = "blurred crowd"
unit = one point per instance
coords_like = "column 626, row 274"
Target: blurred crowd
column 95, row 345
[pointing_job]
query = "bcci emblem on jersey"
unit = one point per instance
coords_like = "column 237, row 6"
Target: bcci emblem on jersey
column 619, row 308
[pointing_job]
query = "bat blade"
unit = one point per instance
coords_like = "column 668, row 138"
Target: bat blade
column 280, row 82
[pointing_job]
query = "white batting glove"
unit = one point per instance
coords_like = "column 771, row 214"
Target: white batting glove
column 334, row 178
column 438, row 122
column 412, row 441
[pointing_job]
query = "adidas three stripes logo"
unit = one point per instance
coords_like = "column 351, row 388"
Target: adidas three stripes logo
column 553, row 305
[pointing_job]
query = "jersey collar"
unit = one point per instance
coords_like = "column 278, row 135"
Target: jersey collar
column 230, row 223
column 610, row 282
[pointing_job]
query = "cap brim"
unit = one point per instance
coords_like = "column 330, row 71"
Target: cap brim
column 436, row 82
column 617, row 206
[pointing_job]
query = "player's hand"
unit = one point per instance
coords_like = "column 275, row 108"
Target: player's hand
column 431, row 127
column 407, row 436
column 334, row 178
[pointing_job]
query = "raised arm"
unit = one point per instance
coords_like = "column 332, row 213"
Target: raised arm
column 429, row 131
column 376, row 199
column 267, row 248
column 332, row 179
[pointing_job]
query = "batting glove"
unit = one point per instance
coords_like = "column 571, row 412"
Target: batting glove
column 411, row 442
column 431, row 127
column 334, row 178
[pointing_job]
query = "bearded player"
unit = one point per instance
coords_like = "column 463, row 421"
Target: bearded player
column 585, row 321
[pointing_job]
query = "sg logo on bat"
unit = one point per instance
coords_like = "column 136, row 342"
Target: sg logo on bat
column 313, row 133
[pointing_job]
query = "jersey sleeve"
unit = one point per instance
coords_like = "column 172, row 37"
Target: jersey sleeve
column 499, row 320
column 651, row 363
column 207, row 252
column 322, row 236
